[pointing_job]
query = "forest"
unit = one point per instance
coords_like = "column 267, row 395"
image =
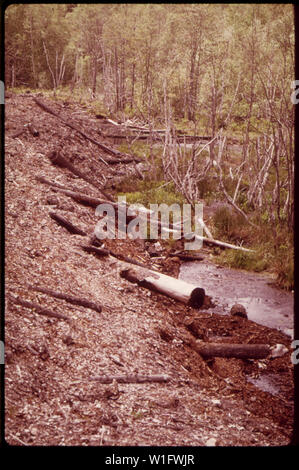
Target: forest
column 223, row 71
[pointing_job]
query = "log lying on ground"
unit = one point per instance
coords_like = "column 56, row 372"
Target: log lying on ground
column 95, row 250
column 37, row 308
column 57, row 159
column 187, row 257
column 176, row 288
column 105, row 252
column 114, row 161
column 241, row 351
column 128, row 379
column 79, row 197
column 75, row 128
column 211, row 241
column 44, row 180
column 68, row 298
column 66, row 224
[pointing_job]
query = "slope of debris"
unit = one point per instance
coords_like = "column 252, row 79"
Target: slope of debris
column 50, row 363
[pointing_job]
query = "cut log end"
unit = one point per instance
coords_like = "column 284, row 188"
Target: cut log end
column 197, row 297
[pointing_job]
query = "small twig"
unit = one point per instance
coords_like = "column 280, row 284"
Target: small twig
column 18, row 439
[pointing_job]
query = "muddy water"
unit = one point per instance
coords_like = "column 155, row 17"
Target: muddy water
column 265, row 304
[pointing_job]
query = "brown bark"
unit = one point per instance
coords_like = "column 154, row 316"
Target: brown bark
column 57, row 159
column 241, row 351
column 66, row 224
column 37, row 308
column 69, row 298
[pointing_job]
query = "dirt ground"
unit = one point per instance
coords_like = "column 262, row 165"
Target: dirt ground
column 50, row 398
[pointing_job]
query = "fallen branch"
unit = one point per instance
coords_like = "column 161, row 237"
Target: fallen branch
column 187, row 257
column 127, row 379
column 44, row 180
column 241, row 351
column 68, row 298
column 205, row 228
column 75, row 128
column 222, row 244
column 95, row 250
column 176, row 288
column 211, row 241
column 66, row 224
column 105, row 252
column 37, row 308
column 114, row 161
column 79, row 197
column 57, row 159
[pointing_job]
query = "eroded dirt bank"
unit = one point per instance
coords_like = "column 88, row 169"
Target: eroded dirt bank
column 50, row 398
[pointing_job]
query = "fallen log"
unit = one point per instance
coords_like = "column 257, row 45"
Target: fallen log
column 79, row 197
column 187, row 257
column 105, row 252
column 75, row 128
column 37, row 308
column 185, row 292
column 115, row 161
column 211, row 241
column 127, row 379
column 96, row 250
column 241, row 351
column 68, row 298
column 44, row 180
column 66, row 224
column 57, row 159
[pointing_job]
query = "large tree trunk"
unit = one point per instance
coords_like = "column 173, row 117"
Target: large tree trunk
column 177, row 289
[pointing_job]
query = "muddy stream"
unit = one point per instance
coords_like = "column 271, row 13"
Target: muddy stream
column 265, row 303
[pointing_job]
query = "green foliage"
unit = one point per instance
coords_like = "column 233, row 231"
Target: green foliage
column 243, row 260
column 148, row 192
column 229, row 226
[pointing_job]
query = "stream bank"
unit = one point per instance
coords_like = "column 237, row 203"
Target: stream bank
column 265, row 303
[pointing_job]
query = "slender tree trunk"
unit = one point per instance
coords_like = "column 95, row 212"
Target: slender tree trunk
column 94, row 78
column 32, row 52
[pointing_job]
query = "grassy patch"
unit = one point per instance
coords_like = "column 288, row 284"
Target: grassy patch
column 150, row 192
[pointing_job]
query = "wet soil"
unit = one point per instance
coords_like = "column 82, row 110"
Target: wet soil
column 50, row 398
